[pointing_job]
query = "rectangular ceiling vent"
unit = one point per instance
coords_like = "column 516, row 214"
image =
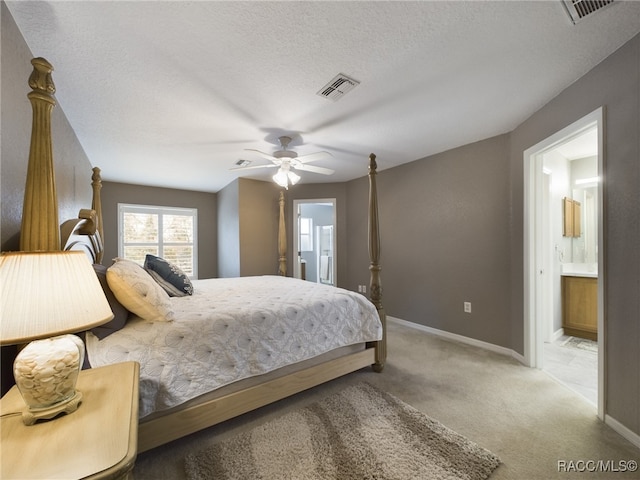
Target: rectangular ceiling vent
column 243, row 163
column 338, row 87
column 578, row 9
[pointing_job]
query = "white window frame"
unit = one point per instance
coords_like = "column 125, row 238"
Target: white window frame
column 160, row 211
column 306, row 234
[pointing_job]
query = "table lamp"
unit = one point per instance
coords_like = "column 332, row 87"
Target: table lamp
column 45, row 296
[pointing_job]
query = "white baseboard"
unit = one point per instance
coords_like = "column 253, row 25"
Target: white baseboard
column 608, row 420
column 460, row 338
column 622, row 430
column 557, row 335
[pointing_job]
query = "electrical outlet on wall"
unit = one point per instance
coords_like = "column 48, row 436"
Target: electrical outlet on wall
column 467, row 307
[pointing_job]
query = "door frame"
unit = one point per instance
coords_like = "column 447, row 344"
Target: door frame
column 296, row 233
column 533, row 254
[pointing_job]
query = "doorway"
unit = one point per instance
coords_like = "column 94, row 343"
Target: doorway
column 314, row 238
column 548, row 178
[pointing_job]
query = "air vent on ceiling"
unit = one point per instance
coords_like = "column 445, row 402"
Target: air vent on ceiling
column 243, row 163
column 338, row 87
column 578, row 9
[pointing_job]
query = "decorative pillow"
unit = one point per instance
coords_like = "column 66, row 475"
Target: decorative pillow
column 138, row 292
column 120, row 314
column 169, row 276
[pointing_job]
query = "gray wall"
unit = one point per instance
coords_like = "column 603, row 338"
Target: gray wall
column 229, row 231
column 614, row 84
column 259, row 212
column 72, row 167
column 114, row 193
column 452, row 229
column 248, row 213
column 444, row 226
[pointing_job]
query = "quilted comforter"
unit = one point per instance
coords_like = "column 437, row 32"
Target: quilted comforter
column 235, row 328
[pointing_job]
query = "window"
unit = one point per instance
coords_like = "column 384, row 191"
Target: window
column 166, row 232
column 306, row 237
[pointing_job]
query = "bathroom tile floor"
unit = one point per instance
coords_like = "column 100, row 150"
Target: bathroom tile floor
column 574, row 362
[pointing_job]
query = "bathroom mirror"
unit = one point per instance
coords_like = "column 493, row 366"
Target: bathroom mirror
column 585, row 246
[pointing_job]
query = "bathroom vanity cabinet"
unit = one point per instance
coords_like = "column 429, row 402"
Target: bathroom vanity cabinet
column 580, row 306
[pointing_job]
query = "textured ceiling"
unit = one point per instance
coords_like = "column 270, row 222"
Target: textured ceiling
column 170, row 93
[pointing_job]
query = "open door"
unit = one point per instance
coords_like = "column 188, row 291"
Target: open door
column 314, row 240
column 549, row 175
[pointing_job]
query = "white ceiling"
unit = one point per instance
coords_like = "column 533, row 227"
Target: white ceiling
column 170, row 93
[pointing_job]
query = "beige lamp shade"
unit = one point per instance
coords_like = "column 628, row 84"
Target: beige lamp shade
column 43, row 294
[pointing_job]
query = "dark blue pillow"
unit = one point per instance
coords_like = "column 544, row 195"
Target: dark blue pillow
column 169, row 276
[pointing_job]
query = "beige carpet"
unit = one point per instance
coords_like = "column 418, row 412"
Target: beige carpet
column 521, row 414
column 360, row 432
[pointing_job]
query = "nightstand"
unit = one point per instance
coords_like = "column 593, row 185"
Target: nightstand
column 97, row 441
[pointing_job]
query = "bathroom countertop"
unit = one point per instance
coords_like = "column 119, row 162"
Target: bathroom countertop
column 580, row 270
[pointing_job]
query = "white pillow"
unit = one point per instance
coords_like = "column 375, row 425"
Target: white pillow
column 138, row 292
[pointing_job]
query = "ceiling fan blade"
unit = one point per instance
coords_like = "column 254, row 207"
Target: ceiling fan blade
column 313, row 156
column 262, row 154
column 254, row 167
column 314, row 169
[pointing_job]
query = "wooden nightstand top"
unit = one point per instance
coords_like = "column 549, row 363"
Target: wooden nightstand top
column 99, row 440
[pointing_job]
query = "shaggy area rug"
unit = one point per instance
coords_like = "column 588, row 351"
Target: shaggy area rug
column 358, row 433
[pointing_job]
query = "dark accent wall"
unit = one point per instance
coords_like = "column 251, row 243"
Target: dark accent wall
column 114, row 193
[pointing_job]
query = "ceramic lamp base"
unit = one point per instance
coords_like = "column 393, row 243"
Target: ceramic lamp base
column 32, row 415
column 46, row 372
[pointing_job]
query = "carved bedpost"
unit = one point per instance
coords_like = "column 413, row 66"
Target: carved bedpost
column 282, row 240
column 40, row 228
column 96, row 204
column 375, row 287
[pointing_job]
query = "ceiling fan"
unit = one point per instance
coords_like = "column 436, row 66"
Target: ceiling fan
column 286, row 161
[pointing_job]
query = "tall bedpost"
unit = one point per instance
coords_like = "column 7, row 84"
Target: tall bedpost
column 96, row 204
column 375, row 287
column 40, row 229
column 282, row 240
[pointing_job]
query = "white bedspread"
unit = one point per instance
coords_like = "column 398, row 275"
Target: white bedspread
column 235, row 328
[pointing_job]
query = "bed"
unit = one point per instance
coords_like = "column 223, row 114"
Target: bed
column 218, row 353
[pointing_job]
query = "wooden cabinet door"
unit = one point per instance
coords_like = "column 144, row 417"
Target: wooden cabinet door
column 572, row 215
column 580, row 306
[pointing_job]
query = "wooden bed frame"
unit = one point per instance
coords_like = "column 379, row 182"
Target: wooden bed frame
column 85, row 233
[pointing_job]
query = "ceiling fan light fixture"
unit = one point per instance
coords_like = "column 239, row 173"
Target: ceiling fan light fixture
column 293, row 178
column 284, row 177
column 281, row 178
